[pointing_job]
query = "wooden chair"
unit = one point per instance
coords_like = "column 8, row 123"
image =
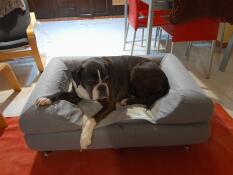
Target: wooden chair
column 6, row 71
column 3, row 123
column 17, row 31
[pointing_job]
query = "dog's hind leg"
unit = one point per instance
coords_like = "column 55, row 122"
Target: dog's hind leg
column 130, row 101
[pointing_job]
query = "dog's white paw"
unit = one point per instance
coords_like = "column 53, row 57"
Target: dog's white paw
column 84, row 121
column 123, row 102
column 85, row 141
column 88, row 127
column 43, row 101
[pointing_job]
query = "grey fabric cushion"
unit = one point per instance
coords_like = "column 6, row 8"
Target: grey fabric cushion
column 184, row 96
column 13, row 44
column 174, row 108
column 13, row 26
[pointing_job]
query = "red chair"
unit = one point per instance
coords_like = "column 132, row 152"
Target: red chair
column 205, row 29
column 138, row 12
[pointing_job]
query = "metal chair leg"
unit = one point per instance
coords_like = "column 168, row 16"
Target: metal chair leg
column 156, row 36
column 126, row 34
column 211, row 59
column 134, row 36
column 166, row 44
column 172, row 46
column 188, row 50
column 160, row 35
column 142, row 36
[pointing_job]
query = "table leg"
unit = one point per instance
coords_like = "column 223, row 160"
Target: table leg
column 150, row 26
column 126, row 21
column 226, row 56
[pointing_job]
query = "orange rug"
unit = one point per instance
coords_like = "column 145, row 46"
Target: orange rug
column 215, row 157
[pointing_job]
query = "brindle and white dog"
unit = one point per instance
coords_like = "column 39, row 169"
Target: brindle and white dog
column 121, row 80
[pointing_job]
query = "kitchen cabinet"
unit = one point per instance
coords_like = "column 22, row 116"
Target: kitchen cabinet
column 45, row 9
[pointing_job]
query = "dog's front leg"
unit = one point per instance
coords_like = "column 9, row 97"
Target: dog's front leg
column 90, row 123
column 68, row 96
column 87, row 130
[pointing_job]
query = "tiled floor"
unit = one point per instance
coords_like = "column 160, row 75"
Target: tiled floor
column 105, row 37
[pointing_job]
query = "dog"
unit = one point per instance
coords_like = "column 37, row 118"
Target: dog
column 124, row 80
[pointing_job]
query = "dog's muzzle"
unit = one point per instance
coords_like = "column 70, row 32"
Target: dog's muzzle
column 100, row 91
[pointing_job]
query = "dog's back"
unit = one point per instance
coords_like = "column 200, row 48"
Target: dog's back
column 149, row 82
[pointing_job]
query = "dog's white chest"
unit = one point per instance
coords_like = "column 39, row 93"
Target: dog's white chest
column 81, row 92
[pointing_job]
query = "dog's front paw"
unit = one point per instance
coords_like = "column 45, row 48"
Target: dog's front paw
column 42, row 101
column 85, row 139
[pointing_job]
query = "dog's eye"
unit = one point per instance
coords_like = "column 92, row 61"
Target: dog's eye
column 91, row 82
column 107, row 77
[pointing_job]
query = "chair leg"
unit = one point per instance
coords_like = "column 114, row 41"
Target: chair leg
column 142, row 36
column 166, row 44
column 226, row 55
column 3, row 123
column 35, row 52
column 10, row 76
column 172, row 46
column 188, row 50
column 156, row 36
column 134, row 36
column 126, row 34
column 211, row 59
column 160, row 36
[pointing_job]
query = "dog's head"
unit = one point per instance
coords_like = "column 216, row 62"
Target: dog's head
column 91, row 80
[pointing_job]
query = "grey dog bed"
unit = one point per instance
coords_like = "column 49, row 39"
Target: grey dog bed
column 180, row 117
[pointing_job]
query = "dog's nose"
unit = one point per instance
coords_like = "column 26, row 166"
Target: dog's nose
column 102, row 88
column 102, row 91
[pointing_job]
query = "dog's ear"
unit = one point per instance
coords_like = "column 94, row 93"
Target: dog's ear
column 76, row 74
column 107, row 63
